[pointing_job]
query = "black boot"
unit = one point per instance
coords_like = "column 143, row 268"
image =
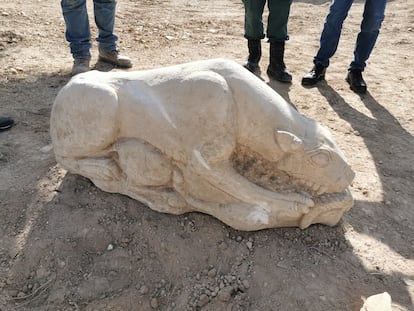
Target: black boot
column 255, row 53
column 316, row 74
column 277, row 68
column 356, row 81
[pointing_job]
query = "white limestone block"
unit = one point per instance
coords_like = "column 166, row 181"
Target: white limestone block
column 206, row 136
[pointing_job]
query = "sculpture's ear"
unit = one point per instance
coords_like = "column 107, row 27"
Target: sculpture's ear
column 288, row 141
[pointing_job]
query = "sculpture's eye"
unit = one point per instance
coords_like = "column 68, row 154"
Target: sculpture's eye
column 321, row 159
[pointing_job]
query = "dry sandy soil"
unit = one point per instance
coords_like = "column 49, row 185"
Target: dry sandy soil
column 66, row 245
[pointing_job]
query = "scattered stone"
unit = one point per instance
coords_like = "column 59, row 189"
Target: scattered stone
column 249, row 245
column 246, row 284
column 215, row 291
column 143, row 290
column 41, row 273
column 225, row 293
column 223, row 246
column 21, row 295
column 282, row 264
column 203, row 300
column 379, row 302
column 212, row 273
column 110, row 247
column 154, row 303
column 13, row 292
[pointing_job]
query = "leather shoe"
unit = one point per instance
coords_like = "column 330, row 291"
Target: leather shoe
column 279, row 73
column 80, row 65
column 252, row 67
column 114, row 58
column 355, row 80
column 316, row 74
column 6, row 123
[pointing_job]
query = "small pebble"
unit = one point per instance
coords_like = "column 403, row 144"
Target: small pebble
column 212, row 273
column 246, row 284
column 203, row 300
column 223, row 246
column 143, row 290
column 154, row 303
column 225, row 293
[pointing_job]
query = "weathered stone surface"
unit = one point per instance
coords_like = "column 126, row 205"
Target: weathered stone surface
column 206, row 136
column 379, row 302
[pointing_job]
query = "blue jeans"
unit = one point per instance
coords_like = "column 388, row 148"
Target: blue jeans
column 371, row 23
column 77, row 26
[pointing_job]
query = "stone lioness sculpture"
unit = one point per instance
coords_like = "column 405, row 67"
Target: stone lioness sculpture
column 187, row 137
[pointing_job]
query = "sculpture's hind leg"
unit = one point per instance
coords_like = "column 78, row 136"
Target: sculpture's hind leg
column 146, row 175
column 83, row 127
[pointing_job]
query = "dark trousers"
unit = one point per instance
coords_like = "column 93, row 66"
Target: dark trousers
column 276, row 23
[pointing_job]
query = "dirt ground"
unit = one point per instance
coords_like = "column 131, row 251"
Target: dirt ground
column 66, row 245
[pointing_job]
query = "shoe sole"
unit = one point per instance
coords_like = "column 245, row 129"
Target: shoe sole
column 252, row 69
column 6, row 127
column 112, row 62
column 77, row 72
column 281, row 80
column 273, row 77
column 313, row 81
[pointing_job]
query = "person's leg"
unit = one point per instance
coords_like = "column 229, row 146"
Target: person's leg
column 253, row 21
column 77, row 28
column 105, row 21
column 253, row 32
column 278, row 19
column 277, row 33
column 371, row 23
column 338, row 11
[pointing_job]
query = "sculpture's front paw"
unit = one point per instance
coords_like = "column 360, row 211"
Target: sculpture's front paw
column 291, row 208
column 328, row 209
column 301, row 203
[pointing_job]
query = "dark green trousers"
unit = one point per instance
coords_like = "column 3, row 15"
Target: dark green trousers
column 276, row 23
